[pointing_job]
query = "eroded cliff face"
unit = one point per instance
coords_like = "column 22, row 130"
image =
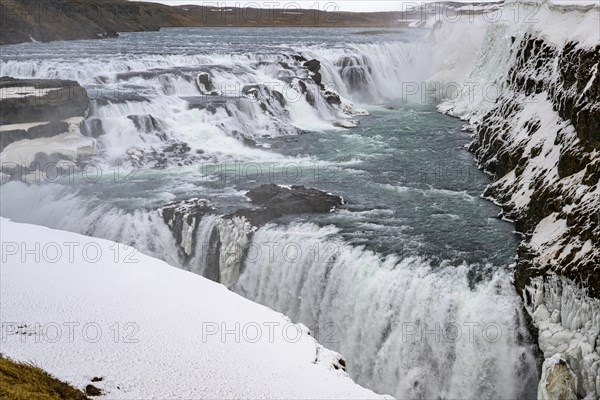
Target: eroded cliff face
column 540, row 139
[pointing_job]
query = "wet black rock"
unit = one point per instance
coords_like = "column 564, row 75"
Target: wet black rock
column 314, row 66
column 305, row 87
column 205, row 85
column 183, row 218
column 332, row 97
column 264, row 93
column 174, row 153
column 277, row 201
column 271, row 102
column 299, row 58
column 145, row 123
column 92, row 127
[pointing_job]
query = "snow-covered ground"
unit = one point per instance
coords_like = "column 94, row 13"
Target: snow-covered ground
column 81, row 308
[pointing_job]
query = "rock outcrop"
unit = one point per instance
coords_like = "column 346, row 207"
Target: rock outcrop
column 540, row 140
column 533, row 102
column 276, row 201
column 544, row 153
column 40, row 124
column 558, row 381
column 183, row 219
column 35, row 100
column 225, row 240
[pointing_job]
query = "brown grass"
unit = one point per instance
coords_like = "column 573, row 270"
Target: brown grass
column 19, row 381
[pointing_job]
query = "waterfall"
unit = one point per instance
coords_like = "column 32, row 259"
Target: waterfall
column 253, row 96
column 394, row 319
column 406, row 327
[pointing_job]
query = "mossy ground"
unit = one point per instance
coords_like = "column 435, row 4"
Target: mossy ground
column 20, row 381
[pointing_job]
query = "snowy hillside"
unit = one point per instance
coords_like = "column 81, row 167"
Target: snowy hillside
column 147, row 329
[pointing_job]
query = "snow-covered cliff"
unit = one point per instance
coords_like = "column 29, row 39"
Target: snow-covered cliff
column 532, row 97
column 90, row 311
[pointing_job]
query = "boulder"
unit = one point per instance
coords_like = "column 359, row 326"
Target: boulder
column 558, row 381
column 314, row 66
column 205, row 85
column 276, row 201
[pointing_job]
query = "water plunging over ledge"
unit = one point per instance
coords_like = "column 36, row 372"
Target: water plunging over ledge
column 410, row 281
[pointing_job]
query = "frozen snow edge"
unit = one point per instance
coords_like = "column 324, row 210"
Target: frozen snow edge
column 81, row 307
column 568, row 322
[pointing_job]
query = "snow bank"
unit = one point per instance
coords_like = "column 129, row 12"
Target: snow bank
column 82, row 308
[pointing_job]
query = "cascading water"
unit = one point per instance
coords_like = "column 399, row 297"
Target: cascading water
column 407, row 327
column 387, row 281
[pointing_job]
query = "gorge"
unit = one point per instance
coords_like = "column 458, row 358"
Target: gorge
column 322, row 178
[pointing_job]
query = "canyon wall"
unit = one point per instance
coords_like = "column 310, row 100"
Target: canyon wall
column 538, row 133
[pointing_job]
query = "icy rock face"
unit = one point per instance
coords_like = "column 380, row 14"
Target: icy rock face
column 558, row 381
column 541, row 142
column 235, row 234
column 568, row 321
column 540, row 138
column 183, row 219
column 217, row 246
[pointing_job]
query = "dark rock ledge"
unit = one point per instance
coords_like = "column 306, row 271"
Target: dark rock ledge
column 41, row 108
column 33, row 100
column 183, row 219
column 276, row 201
